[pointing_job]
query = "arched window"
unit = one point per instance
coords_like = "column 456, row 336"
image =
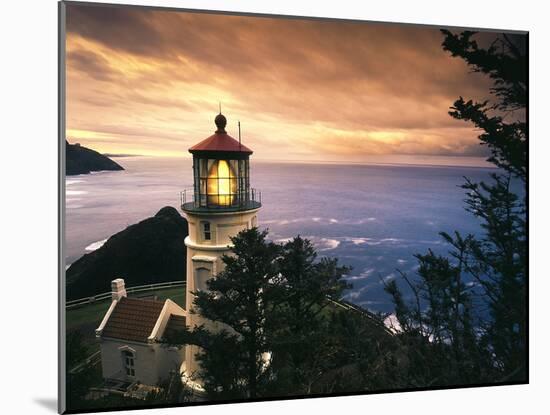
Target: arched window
column 129, row 362
column 201, row 276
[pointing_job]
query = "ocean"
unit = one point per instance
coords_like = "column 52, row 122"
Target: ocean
column 373, row 218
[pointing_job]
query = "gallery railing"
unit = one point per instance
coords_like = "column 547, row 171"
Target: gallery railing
column 230, row 202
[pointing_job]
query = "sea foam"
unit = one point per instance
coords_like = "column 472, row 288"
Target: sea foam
column 95, row 245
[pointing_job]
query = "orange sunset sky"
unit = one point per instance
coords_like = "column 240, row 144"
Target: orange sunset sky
column 143, row 81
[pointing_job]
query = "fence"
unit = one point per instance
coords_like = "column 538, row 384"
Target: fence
column 365, row 313
column 162, row 285
column 129, row 290
column 92, row 360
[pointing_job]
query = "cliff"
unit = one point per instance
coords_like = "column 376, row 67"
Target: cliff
column 148, row 252
column 82, row 160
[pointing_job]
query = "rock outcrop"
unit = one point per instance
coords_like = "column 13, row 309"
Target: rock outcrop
column 82, row 160
column 148, row 252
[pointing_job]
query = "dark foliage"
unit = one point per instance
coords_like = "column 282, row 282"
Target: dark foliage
column 503, row 125
column 77, row 351
column 299, row 332
column 79, row 381
column 467, row 323
column 282, row 336
column 171, row 391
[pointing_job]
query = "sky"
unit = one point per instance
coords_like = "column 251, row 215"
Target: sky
column 149, row 82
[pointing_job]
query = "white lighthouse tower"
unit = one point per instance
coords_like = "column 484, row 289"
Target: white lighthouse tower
column 222, row 205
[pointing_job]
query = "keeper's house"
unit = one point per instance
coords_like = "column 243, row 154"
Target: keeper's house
column 130, row 338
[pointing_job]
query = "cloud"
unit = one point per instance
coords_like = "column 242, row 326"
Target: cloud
column 318, row 89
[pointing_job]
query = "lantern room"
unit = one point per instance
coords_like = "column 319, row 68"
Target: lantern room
column 221, row 174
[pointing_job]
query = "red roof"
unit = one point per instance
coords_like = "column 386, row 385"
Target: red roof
column 133, row 319
column 220, row 142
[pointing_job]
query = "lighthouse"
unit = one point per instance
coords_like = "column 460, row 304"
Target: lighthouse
column 220, row 205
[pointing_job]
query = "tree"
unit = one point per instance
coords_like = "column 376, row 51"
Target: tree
column 170, row 391
column 300, row 332
column 438, row 326
column 271, row 300
column 488, row 345
column 77, row 350
column 500, row 256
column 239, row 297
column 78, row 381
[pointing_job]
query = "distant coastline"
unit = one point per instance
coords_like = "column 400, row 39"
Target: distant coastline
column 83, row 160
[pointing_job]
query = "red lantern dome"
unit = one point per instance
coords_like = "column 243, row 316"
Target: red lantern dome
column 220, row 141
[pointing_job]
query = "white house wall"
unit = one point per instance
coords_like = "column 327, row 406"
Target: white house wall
column 152, row 362
column 168, row 359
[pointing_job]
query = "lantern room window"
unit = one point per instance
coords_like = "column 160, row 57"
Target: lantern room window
column 221, row 182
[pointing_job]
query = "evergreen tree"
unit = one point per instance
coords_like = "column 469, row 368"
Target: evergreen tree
column 474, row 345
column 77, row 350
column 233, row 361
column 299, row 335
column 275, row 334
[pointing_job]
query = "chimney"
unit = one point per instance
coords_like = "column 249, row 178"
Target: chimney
column 118, row 289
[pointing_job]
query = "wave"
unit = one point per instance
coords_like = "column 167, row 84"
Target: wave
column 283, row 240
column 392, row 323
column 364, row 275
column 95, row 245
column 358, row 222
column 320, row 220
column 358, row 241
column 323, row 244
column 389, row 277
column 75, row 192
column 371, row 241
column 283, row 221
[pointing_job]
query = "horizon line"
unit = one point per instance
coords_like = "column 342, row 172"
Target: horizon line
column 482, row 160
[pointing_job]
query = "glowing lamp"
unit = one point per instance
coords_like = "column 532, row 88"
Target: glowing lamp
column 221, row 184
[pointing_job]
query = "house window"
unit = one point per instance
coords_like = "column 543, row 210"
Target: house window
column 129, row 363
column 206, row 231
